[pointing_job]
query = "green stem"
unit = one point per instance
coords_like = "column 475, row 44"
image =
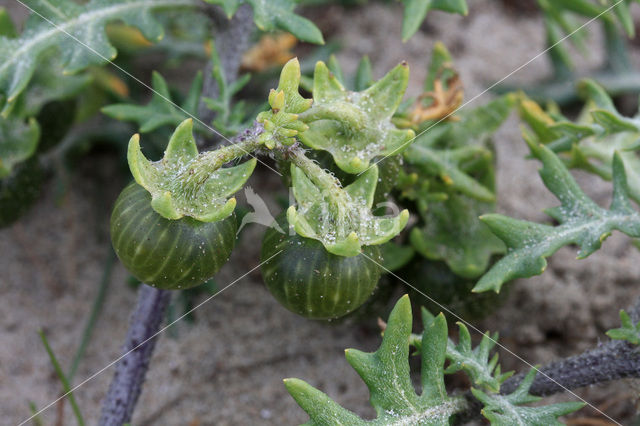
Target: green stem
column 215, row 159
column 314, row 172
column 63, row 379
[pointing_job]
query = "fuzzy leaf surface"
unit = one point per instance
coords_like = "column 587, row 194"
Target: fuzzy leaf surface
column 20, row 57
column 508, row 410
column 582, row 222
column 386, row 374
column 483, row 372
column 341, row 218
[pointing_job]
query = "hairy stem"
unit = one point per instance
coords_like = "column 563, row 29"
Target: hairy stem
column 232, row 40
column 314, row 172
column 613, row 360
column 131, row 370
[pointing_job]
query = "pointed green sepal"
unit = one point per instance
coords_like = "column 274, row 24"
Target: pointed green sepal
column 355, row 127
column 186, row 183
column 341, row 218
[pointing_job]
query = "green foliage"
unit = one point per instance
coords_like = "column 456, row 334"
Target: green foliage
column 454, row 180
column 507, row 409
column 415, row 12
column 18, row 142
column 87, row 46
column 63, row 379
column 386, row 374
column 185, row 183
column 475, row 362
column 270, row 15
column 161, row 110
column 395, row 256
column 560, row 21
column 7, row 29
column 629, row 331
column 453, row 233
column 589, row 143
column 581, row 220
column 355, row 127
column 484, row 373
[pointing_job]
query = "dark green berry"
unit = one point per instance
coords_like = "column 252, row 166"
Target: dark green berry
column 167, row 254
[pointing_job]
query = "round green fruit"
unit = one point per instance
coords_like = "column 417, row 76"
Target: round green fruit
column 167, row 254
column 311, row 282
column 20, row 190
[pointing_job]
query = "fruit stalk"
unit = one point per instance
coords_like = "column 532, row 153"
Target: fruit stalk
column 131, row 370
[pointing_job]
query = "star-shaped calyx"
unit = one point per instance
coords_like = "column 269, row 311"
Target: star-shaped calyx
column 341, row 218
column 188, row 183
column 355, row 127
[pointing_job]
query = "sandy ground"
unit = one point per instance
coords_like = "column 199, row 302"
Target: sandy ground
column 227, row 368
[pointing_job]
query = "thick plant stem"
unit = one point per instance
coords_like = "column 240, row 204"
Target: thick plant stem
column 613, row 360
column 232, row 39
column 131, row 370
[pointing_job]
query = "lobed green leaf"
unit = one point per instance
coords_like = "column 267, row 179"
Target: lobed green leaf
column 76, row 32
column 386, row 374
column 581, row 220
column 270, row 15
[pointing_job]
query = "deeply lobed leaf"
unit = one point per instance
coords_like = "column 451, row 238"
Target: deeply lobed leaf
column 386, row 374
column 582, row 222
column 507, row 410
column 161, row 110
column 76, row 32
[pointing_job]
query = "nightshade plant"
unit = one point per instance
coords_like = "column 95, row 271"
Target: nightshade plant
column 346, row 146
